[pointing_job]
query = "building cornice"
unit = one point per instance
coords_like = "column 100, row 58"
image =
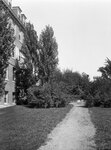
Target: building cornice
column 14, row 16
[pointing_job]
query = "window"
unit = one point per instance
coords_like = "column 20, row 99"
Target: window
column 14, row 29
column 14, row 74
column 19, row 58
column 13, row 97
column 6, row 97
column 13, row 54
column 19, row 16
column 13, row 26
column 19, row 37
column 17, row 53
column 6, row 74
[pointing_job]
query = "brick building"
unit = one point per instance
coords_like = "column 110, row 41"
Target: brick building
column 18, row 22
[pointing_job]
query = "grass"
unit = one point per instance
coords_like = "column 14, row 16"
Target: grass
column 101, row 117
column 24, row 128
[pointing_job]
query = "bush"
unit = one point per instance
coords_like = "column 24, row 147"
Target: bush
column 36, row 97
column 107, row 103
column 47, row 96
column 89, row 100
column 99, row 100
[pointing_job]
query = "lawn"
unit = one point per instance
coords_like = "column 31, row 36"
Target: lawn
column 101, row 117
column 24, row 128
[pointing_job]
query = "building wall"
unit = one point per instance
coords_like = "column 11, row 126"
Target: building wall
column 10, row 86
column 8, row 97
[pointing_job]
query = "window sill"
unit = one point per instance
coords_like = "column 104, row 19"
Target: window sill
column 6, row 103
column 6, row 79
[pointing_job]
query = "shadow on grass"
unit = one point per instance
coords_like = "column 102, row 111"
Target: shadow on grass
column 83, row 106
column 38, row 107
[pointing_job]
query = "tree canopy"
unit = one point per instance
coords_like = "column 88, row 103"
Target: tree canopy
column 106, row 70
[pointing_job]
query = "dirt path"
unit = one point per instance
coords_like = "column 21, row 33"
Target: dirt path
column 75, row 132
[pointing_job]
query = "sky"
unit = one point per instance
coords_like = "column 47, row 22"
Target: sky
column 82, row 29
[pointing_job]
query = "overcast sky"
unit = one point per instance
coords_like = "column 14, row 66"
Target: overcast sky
column 82, row 29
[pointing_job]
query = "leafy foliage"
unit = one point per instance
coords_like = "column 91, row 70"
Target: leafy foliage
column 26, row 71
column 57, row 88
column 56, row 93
column 24, row 79
column 106, row 71
column 48, row 53
column 47, row 96
column 6, row 45
column 100, row 89
column 40, row 60
column 30, row 48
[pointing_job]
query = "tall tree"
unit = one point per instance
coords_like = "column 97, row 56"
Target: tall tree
column 48, row 53
column 30, row 48
column 26, row 72
column 6, row 45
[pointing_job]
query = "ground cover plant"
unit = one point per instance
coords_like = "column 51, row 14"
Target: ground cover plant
column 101, row 117
column 23, row 128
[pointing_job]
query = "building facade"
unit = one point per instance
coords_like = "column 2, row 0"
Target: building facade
column 18, row 22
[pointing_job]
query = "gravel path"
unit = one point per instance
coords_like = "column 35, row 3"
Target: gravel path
column 75, row 132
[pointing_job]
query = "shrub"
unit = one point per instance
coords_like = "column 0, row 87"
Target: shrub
column 47, row 96
column 89, row 100
column 107, row 103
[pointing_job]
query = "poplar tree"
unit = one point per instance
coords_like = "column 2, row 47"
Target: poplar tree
column 30, row 48
column 26, row 72
column 48, row 53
